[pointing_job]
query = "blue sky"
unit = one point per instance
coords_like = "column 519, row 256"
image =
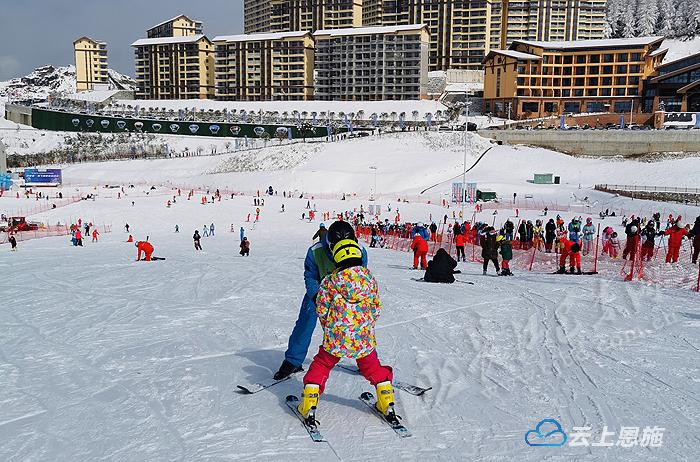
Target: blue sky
column 38, row 32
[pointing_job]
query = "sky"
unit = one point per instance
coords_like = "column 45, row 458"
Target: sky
column 34, row 33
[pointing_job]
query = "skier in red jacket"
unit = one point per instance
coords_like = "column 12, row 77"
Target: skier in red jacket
column 675, row 236
column 420, row 250
column 145, row 247
column 571, row 250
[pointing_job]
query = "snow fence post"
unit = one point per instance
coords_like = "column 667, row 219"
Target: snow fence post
column 595, row 260
column 697, row 286
column 532, row 260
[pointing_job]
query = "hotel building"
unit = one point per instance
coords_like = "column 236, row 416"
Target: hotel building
column 90, row 63
column 372, row 63
column 261, row 67
column 535, row 78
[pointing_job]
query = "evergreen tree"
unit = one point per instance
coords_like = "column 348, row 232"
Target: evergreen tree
column 647, row 17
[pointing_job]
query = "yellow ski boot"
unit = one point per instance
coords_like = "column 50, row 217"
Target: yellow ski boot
column 385, row 400
column 309, row 401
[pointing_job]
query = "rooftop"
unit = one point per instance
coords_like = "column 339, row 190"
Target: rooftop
column 369, row 30
column 513, row 54
column 168, row 40
column 173, row 19
column 588, row 44
column 90, row 39
column 259, row 36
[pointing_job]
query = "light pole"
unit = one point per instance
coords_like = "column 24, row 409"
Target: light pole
column 374, row 192
column 467, row 145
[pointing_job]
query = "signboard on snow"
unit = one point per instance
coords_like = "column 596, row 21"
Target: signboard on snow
column 44, row 176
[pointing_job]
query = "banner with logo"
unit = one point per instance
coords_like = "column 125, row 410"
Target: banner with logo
column 43, row 176
column 471, row 192
column 457, row 192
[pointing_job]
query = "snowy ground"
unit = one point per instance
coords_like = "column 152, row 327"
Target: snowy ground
column 103, row 358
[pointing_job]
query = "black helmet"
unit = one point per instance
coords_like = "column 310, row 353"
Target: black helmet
column 339, row 231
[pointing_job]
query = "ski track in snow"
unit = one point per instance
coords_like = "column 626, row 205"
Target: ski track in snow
column 103, row 358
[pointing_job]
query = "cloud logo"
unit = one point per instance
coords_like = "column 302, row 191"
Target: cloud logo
column 75, row 122
column 259, row 131
column 194, row 128
column 138, row 125
column 214, row 129
column 235, row 129
column 548, row 432
column 174, row 127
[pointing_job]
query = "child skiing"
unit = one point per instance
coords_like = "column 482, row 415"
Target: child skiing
column 506, row 254
column 347, row 305
column 197, row 238
column 588, row 234
column 245, row 247
column 571, row 250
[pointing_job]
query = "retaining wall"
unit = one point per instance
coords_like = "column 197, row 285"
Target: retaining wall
column 602, row 142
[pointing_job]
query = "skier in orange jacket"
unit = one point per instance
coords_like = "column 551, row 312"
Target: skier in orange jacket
column 145, row 247
column 571, row 250
column 94, row 235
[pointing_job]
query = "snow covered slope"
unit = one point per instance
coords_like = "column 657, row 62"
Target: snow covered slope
column 104, row 358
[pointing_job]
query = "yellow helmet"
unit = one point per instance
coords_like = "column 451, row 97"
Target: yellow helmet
column 346, row 248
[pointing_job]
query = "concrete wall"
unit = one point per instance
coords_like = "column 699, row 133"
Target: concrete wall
column 602, row 142
column 18, row 114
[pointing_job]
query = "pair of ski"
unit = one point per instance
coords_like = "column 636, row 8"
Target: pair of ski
column 260, row 386
column 367, row 398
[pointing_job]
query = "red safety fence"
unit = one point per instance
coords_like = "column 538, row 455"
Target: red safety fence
column 50, row 231
column 595, row 258
column 31, row 206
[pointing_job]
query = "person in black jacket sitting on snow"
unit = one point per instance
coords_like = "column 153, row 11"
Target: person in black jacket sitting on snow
column 441, row 268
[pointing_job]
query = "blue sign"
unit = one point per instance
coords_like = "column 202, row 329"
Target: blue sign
column 43, row 176
column 548, row 432
column 5, row 181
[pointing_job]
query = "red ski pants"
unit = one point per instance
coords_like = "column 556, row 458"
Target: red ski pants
column 574, row 259
column 505, row 264
column 647, row 252
column 423, row 261
column 369, row 366
column 672, row 255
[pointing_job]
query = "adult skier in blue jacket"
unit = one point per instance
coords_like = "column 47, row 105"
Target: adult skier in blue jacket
column 317, row 265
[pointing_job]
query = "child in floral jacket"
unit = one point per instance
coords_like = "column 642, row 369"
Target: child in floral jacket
column 347, row 306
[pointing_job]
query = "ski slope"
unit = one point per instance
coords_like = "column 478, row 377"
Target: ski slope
column 105, row 358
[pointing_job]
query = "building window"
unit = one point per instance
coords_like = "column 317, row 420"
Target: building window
column 551, row 107
column 623, row 106
column 568, row 59
column 595, row 106
column 594, row 59
column 620, row 80
column 498, row 83
column 622, row 69
column 531, row 107
column 607, row 69
column 594, row 70
column 593, row 81
column 573, row 107
column 580, row 59
column 619, row 92
column 634, row 68
column 608, row 58
column 592, row 92
column 622, row 58
column 634, row 57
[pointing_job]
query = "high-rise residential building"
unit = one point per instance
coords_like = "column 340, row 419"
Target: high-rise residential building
column 260, row 67
column 552, row 20
column 179, row 26
column 372, row 63
column 296, row 15
column 535, row 79
column 174, row 67
column 461, row 31
column 90, row 63
column 175, row 62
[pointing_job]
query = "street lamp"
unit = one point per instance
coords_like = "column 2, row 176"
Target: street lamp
column 467, row 146
column 374, row 167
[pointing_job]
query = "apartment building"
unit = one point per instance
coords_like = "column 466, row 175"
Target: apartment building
column 180, row 67
column 553, row 20
column 371, row 63
column 296, row 15
column 90, row 63
column 675, row 86
column 535, row 78
column 260, row 67
column 179, row 26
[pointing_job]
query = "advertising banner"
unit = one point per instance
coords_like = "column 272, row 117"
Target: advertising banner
column 42, row 176
column 471, row 192
column 457, row 192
